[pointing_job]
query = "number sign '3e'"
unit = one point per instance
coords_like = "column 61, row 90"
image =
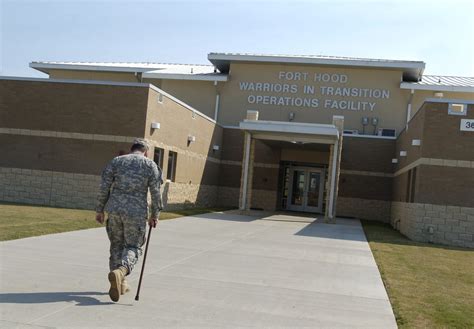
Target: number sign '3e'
column 467, row 124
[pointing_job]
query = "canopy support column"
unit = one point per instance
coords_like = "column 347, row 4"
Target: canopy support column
column 247, row 173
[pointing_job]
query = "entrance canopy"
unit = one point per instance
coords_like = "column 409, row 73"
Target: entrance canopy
column 293, row 132
column 329, row 135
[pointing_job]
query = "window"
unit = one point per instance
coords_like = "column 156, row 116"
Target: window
column 158, row 157
column 457, row 109
column 171, row 171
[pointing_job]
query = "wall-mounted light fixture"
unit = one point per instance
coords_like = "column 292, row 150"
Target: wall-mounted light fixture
column 439, row 94
column 365, row 122
column 291, row 116
column 216, row 147
column 403, row 153
column 416, row 142
column 394, row 160
column 155, row 125
column 374, row 121
column 191, row 139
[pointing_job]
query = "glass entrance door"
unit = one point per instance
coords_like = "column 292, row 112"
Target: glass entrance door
column 298, row 188
column 306, row 189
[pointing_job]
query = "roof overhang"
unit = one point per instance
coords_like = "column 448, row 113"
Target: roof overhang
column 417, row 86
column 294, row 132
column 147, row 72
column 179, row 76
column 46, row 67
column 412, row 70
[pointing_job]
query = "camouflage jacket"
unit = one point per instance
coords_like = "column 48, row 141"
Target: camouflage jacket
column 125, row 184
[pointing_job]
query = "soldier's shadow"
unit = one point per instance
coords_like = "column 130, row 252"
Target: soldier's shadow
column 80, row 298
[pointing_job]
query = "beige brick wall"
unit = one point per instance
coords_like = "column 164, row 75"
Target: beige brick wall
column 378, row 210
column 449, row 225
column 264, row 199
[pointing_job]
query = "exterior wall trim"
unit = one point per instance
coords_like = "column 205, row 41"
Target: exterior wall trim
column 449, row 100
column 256, row 164
column 366, row 173
column 60, row 134
column 89, row 82
column 413, row 68
column 42, row 66
column 435, row 162
column 417, row 86
column 177, row 76
column 370, row 136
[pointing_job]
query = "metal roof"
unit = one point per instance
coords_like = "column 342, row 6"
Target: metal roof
column 441, row 83
column 412, row 70
column 148, row 69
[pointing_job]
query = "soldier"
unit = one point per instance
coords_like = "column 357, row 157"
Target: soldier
column 124, row 188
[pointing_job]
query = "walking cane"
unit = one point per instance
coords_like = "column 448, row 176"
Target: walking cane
column 137, row 297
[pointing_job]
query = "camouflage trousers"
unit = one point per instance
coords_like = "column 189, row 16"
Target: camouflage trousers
column 127, row 236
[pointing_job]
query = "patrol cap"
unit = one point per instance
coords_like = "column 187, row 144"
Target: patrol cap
column 142, row 142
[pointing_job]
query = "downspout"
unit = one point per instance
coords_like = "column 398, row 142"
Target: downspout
column 412, row 92
column 216, row 110
column 139, row 76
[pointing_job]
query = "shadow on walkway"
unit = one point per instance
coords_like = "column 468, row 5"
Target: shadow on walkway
column 81, row 298
column 333, row 231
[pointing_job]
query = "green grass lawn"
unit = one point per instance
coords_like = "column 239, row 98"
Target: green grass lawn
column 20, row 221
column 430, row 286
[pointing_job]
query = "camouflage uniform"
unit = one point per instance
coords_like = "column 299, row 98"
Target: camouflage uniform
column 124, row 189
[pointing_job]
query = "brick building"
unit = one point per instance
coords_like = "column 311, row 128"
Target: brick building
column 366, row 138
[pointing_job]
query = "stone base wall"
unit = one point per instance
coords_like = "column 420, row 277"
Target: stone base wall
column 182, row 195
column 50, row 188
column 378, row 210
column 449, row 225
column 228, row 197
column 68, row 190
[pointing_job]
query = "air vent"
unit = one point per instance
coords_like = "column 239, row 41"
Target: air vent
column 351, row 132
column 388, row 132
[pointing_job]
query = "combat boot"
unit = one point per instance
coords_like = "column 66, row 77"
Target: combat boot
column 125, row 287
column 115, row 278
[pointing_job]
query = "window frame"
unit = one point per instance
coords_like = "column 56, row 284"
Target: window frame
column 452, row 112
column 161, row 153
column 171, row 172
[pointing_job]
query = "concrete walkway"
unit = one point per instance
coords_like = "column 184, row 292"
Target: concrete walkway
column 211, row 271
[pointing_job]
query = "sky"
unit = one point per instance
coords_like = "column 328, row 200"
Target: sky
column 440, row 33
